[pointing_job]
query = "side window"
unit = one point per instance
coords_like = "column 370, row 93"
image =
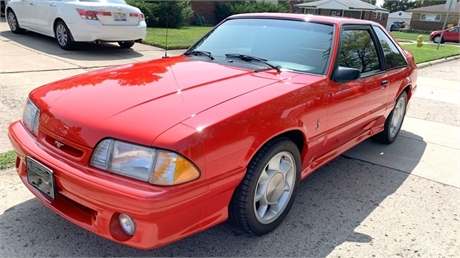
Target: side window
column 393, row 58
column 357, row 50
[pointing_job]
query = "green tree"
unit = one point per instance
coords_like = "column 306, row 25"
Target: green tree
column 401, row 5
column 370, row 1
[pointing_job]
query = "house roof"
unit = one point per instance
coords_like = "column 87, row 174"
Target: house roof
column 440, row 8
column 351, row 4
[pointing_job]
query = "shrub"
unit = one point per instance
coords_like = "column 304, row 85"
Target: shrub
column 222, row 11
column 172, row 14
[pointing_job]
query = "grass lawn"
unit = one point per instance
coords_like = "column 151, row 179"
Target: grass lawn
column 428, row 52
column 177, row 38
column 7, row 159
column 408, row 36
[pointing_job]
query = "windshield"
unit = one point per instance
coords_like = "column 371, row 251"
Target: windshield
column 294, row 45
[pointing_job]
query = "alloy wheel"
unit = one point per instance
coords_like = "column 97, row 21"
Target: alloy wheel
column 12, row 22
column 398, row 116
column 275, row 187
column 61, row 34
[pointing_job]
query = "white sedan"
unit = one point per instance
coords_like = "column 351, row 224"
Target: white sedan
column 72, row 21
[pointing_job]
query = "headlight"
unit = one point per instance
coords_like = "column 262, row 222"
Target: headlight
column 30, row 116
column 158, row 167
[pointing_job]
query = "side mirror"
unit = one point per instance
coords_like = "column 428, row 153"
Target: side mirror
column 345, row 74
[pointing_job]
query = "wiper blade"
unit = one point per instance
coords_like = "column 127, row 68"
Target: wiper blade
column 254, row 58
column 202, row 53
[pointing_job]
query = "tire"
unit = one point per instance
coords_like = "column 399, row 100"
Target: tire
column 63, row 36
column 126, row 44
column 436, row 39
column 13, row 22
column 265, row 195
column 394, row 121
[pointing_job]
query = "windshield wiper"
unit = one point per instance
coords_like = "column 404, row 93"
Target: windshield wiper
column 199, row 52
column 254, row 58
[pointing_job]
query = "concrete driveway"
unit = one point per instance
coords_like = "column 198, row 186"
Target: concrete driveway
column 374, row 201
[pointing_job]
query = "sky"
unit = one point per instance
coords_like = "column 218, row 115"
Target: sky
column 379, row 2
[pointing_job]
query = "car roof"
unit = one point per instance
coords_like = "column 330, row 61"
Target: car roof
column 303, row 17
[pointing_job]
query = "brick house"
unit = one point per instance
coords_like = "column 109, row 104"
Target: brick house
column 432, row 17
column 345, row 8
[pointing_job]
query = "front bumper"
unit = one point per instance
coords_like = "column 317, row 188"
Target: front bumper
column 90, row 30
column 93, row 199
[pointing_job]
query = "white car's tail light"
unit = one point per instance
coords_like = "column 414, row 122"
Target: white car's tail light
column 158, row 167
column 90, row 14
column 138, row 15
column 30, row 116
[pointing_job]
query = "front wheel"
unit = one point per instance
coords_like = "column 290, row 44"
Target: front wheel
column 13, row 22
column 438, row 39
column 265, row 195
column 126, row 44
column 394, row 121
column 63, row 36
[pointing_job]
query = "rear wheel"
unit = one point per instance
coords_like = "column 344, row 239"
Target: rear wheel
column 63, row 36
column 266, row 193
column 126, row 44
column 13, row 23
column 394, row 121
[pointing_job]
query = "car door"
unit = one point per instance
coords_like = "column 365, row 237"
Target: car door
column 25, row 13
column 355, row 106
column 452, row 34
column 45, row 13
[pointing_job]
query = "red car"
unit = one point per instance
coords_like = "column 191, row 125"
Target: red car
column 449, row 35
column 149, row 153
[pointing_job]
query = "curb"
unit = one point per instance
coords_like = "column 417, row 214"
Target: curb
column 434, row 62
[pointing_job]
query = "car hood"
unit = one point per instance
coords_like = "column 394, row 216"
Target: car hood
column 140, row 101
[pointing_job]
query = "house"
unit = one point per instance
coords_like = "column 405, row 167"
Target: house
column 432, row 17
column 399, row 16
column 346, row 8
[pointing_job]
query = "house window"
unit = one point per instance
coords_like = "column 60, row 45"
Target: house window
column 430, row 17
column 375, row 15
column 311, row 11
column 380, row 16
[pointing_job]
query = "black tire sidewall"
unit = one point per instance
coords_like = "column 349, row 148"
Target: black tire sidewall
column 69, row 43
column 283, row 145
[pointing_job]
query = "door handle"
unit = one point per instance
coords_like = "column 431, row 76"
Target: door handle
column 32, row 3
column 384, row 84
column 53, row 4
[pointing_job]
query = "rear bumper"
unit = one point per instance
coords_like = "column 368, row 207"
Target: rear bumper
column 93, row 202
column 88, row 30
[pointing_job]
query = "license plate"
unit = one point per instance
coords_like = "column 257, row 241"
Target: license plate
column 40, row 177
column 119, row 16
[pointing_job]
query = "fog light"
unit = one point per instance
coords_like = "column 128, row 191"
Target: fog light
column 127, row 224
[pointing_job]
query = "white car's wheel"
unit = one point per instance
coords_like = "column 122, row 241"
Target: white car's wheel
column 126, row 44
column 13, row 22
column 63, row 36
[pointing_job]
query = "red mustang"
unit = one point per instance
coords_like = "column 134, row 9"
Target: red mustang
column 149, row 153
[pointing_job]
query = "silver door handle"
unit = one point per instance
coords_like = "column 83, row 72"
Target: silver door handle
column 53, row 4
column 32, row 3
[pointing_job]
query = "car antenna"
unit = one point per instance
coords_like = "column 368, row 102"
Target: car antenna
column 167, row 26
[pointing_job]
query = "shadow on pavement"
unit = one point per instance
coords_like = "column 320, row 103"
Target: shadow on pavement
column 330, row 204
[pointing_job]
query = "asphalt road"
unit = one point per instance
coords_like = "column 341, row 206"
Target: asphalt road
column 375, row 200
